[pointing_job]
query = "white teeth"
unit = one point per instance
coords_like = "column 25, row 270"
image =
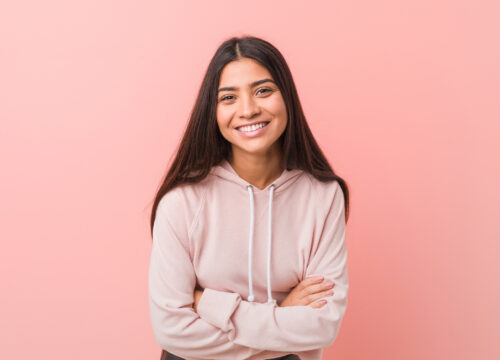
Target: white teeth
column 252, row 127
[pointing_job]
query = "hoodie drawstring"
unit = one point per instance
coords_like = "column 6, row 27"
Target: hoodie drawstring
column 250, row 240
column 250, row 244
column 269, row 296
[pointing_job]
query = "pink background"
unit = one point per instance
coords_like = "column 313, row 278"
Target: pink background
column 403, row 96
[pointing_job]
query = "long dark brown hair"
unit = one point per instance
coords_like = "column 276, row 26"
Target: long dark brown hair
column 203, row 145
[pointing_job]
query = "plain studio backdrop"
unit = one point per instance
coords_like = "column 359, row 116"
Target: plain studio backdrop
column 403, row 96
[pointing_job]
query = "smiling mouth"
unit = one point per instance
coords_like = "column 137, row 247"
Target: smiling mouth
column 248, row 128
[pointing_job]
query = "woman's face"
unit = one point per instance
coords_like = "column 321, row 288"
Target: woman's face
column 248, row 95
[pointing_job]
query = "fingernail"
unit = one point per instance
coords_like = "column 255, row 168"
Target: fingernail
column 319, row 278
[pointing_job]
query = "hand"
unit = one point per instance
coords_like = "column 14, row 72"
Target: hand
column 308, row 291
column 197, row 296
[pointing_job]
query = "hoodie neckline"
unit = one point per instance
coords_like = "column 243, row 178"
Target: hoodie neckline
column 225, row 170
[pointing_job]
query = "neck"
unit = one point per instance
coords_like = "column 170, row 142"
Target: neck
column 258, row 170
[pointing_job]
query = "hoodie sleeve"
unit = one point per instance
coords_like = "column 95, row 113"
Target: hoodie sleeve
column 291, row 328
column 176, row 326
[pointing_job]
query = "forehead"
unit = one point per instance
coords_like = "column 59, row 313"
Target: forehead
column 242, row 72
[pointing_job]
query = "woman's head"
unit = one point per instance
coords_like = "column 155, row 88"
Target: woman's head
column 211, row 133
column 251, row 113
column 247, row 56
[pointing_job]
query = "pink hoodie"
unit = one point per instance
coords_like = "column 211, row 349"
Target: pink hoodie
column 248, row 248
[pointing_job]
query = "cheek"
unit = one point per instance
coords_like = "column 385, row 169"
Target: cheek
column 277, row 107
column 223, row 117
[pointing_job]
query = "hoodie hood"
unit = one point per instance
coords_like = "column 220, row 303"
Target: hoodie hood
column 225, row 171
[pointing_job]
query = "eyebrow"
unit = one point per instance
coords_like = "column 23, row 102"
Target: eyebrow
column 255, row 83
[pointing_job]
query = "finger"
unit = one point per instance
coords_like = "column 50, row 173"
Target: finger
column 310, row 281
column 318, row 304
column 315, row 288
column 320, row 295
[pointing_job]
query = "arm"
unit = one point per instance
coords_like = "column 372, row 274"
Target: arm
column 292, row 328
column 176, row 326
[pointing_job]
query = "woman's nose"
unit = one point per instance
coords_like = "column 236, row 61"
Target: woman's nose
column 248, row 107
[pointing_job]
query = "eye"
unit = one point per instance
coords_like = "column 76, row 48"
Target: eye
column 231, row 97
column 267, row 90
column 226, row 97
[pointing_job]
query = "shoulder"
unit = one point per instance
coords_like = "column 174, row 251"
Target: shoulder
column 323, row 188
column 327, row 194
column 183, row 203
column 183, row 195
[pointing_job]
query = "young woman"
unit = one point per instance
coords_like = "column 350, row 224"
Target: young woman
column 249, row 259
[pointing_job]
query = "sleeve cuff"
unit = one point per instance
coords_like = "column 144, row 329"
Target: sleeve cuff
column 216, row 307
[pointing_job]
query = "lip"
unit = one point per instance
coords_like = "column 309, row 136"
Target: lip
column 252, row 123
column 255, row 132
